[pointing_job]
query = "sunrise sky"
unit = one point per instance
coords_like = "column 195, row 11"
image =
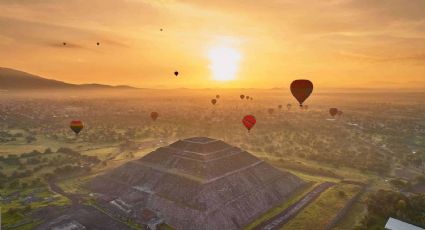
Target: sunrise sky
column 220, row 43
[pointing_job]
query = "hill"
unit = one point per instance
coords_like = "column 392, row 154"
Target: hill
column 11, row 79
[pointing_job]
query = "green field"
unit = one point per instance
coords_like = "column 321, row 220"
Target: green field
column 321, row 211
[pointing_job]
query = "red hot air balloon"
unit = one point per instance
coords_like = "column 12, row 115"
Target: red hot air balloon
column 154, row 116
column 76, row 126
column 333, row 111
column 242, row 96
column 249, row 122
column 301, row 90
column 214, row 101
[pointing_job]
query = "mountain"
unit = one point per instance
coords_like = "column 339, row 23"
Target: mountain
column 192, row 184
column 11, row 79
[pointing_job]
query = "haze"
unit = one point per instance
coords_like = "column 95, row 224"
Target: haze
column 338, row 43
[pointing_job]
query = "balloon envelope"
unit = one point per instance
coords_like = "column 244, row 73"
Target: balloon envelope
column 154, row 116
column 217, row 96
column 333, row 111
column 214, row 101
column 301, row 90
column 76, row 126
column 242, row 96
column 249, row 121
column 176, row 73
column 247, row 97
column 279, row 106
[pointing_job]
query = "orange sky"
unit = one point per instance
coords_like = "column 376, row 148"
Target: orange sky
column 335, row 43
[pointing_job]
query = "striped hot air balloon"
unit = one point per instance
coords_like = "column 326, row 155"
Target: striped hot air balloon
column 76, row 126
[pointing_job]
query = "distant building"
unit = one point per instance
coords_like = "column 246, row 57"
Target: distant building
column 394, row 224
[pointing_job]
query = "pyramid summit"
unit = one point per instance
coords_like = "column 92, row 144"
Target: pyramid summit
column 197, row 183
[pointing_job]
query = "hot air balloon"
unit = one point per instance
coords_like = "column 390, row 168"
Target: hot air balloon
column 279, row 106
column 301, row 90
column 247, row 97
column 339, row 113
column 217, row 96
column 64, row 43
column 161, row 29
column 288, row 106
column 249, row 122
column 333, row 111
column 251, row 98
column 242, row 96
column 154, row 115
column 176, row 73
column 213, row 101
column 76, row 126
column 271, row 111
column 98, row 43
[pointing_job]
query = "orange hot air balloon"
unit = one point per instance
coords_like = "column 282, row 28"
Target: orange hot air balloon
column 154, row 116
column 217, row 96
column 214, row 101
column 301, row 90
column 176, row 73
column 249, row 122
column 333, row 111
column 271, row 111
column 76, row 126
column 242, row 96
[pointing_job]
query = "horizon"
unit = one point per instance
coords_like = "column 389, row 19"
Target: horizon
column 345, row 44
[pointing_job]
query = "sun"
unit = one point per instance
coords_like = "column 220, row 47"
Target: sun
column 224, row 62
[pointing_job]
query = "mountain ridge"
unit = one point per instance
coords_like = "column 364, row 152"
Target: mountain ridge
column 12, row 79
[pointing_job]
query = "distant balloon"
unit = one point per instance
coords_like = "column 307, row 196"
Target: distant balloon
column 249, row 122
column 301, row 90
column 333, row 111
column 288, row 106
column 242, row 96
column 339, row 113
column 176, row 73
column 217, row 96
column 98, row 43
column 154, row 115
column 213, row 101
column 271, row 111
column 247, row 97
column 279, row 106
column 64, row 43
column 161, row 29
column 76, row 126
column 251, row 98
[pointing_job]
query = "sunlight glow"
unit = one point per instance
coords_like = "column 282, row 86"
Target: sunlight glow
column 224, row 63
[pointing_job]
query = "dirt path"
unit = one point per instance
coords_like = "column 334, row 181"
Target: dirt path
column 286, row 215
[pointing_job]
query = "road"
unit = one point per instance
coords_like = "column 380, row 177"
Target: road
column 286, row 215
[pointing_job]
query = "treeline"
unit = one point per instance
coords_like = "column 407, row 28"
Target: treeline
column 384, row 204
